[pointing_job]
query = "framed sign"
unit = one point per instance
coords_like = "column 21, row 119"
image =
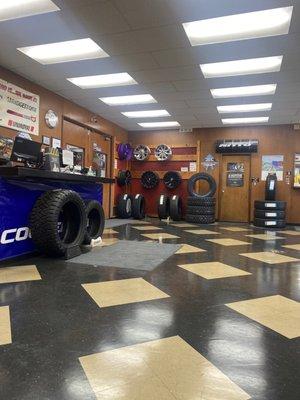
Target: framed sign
column 6, row 145
column 273, row 165
column 78, row 155
column 235, row 174
column 19, row 109
column 297, row 171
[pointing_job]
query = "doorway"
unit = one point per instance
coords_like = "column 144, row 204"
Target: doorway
column 234, row 197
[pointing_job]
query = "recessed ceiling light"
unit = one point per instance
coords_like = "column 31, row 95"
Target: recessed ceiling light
column 242, row 67
column 127, row 100
column 11, row 9
column 72, row 50
column 244, row 91
column 146, row 114
column 166, row 124
column 244, row 108
column 251, row 25
column 250, row 120
column 98, row 81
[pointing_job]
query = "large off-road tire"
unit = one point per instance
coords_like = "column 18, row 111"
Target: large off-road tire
column 58, row 222
column 200, row 210
column 163, row 207
column 200, row 219
column 138, row 206
column 270, row 205
column 197, row 201
column 95, row 221
column 125, row 206
column 202, row 176
column 175, row 208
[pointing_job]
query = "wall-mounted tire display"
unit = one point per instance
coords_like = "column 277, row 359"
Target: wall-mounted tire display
column 172, row 179
column 200, row 219
column 198, row 177
column 269, row 223
column 149, row 179
column 270, row 205
column 124, row 177
column 125, row 151
column 163, row 152
column 267, row 214
column 175, row 208
column 125, row 206
column 163, row 208
column 58, row 222
column 95, row 221
column 138, row 206
column 141, row 152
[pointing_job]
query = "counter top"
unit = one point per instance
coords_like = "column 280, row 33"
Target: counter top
column 32, row 173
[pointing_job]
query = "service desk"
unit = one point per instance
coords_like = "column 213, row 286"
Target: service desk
column 20, row 187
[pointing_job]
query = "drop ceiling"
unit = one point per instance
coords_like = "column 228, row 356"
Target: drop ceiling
column 146, row 39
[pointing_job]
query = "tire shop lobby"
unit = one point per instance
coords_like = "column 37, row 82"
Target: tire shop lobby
column 149, row 200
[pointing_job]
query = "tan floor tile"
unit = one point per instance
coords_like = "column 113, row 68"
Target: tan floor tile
column 292, row 246
column 265, row 236
column 183, row 225
column 124, row 291
column 140, row 222
column 160, row 236
column 187, row 248
column 146, row 228
column 109, row 241
column 213, row 270
column 202, row 232
column 228, row 242
column 5, row 329
column 235, row 229
column 170, row 365
column 278, row 313
column 19, row 274
column 109, row 231
column 269, row 257
column 293, row 233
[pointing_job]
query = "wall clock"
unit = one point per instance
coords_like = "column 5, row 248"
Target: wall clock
column 51, row 119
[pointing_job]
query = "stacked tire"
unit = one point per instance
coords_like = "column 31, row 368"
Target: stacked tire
column 269, row 214
column 201, row 207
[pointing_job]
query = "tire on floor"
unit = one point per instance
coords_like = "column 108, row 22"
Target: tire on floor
column 95, row 221
column 175, row 208
column 163, row 208
column 138, row 206
column 124, row 208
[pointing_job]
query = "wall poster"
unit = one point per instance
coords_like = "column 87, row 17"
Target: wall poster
column 272, row 164
column 297, row 171
column 19, row 109
column 78, row 155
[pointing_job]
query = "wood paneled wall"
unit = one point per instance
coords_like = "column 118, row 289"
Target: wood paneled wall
column 273, row 140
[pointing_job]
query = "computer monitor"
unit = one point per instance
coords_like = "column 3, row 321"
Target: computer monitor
column 25, row 151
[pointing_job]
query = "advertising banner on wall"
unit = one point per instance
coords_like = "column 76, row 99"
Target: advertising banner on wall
column 19, row 109
column 272, row 164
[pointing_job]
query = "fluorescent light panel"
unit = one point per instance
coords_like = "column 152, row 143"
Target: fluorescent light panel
column 251, row 25
column 244, row 91
column 146, row 114
column 250, row 120
column 241, row 108
column 128, row 100
column 11, row 9
column 98, row 81
column 72, row 50
column 166, row 124
column 249, row 66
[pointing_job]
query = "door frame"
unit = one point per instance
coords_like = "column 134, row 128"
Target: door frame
column 221, row 183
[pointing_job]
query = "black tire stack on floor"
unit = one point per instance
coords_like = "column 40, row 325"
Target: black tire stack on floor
column 201, row 208
column 269, row 214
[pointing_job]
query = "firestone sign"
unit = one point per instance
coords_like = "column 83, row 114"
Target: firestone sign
column 19, row 109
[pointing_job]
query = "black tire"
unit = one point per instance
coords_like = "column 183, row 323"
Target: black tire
column 175, row 208
column 201, row 210
column 267, row 214
column 200, row 219
column 58, row 222
column 95, row 221
column 202, row 176
column 270, row 205
column 196, row 201
column 125, row 206
column 270, row 190
column 124, row 177
column 269, row 223
column 172, row 180
column 149, row 179
column 138, row 207
column 163, row 208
